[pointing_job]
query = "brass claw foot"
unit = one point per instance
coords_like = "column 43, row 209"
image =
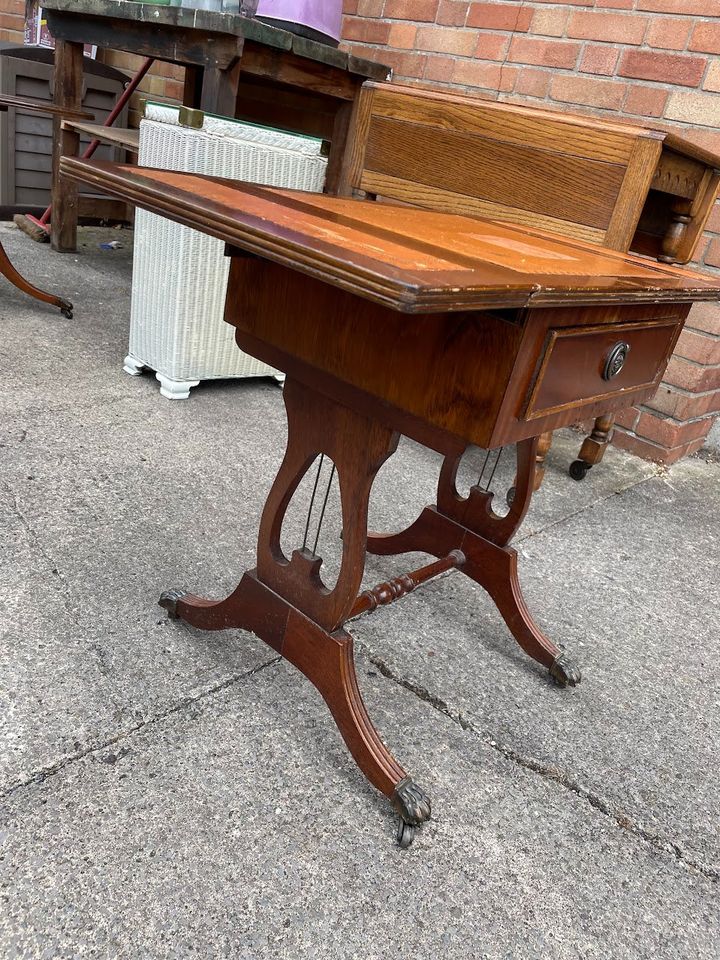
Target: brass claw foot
column 411, row 803
column 66, row 309
column 169, row 601
column 564, row 672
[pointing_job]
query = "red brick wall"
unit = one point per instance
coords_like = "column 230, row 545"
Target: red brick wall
column 655, row 61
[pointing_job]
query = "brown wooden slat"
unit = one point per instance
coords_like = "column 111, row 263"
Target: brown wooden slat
column 573, row 135
column 118, row 136
column 504, row 173
column 434, row 198
column 636, row 183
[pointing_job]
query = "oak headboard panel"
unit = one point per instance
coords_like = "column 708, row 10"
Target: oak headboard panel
column 571, row 175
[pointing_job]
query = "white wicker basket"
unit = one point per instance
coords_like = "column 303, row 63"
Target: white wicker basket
column 179, row 275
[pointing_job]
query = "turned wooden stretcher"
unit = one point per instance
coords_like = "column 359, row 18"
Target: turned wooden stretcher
column 448, row 329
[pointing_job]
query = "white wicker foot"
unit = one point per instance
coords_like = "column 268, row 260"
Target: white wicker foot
column 133, row 366
column 175, row 389
column 280, row 377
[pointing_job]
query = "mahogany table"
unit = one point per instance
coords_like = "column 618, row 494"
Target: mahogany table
column 234, row 66
column 391, row 320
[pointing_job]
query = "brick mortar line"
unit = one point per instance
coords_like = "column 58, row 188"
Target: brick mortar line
column 549, row 773
column 50, row 770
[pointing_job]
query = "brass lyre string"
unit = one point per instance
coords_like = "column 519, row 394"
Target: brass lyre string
column 492, row 472
column 312, row 501
column 497, row 462
column 311, row 507
column 485, row 463
column 322, row 512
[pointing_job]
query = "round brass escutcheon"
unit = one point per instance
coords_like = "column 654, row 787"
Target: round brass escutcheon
column 615, row 360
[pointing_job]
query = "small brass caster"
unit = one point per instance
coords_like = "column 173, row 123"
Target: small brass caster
column 405, row 834
column 510, row 496
column 578, row 469
column 564, row 672
column 169, row 601
column 66, row 309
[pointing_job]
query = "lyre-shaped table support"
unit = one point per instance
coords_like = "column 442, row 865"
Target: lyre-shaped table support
column 471, row 526
column 285, row 602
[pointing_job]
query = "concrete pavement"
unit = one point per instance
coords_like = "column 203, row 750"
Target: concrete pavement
column 170, row 793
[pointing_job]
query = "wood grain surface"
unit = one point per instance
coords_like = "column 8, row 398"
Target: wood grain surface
column 413, row 260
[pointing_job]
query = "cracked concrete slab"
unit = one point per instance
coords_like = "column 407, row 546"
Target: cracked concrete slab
column 235, row 829
column 630, row 586
column 164, row 798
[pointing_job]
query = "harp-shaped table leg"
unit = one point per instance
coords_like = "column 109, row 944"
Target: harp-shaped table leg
column 286, row 604
column 471, row 526
column 17, row 279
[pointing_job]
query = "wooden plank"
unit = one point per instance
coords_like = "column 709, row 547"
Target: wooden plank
column 336, row 180
column 149, row 39
column 220, row 89
column 124, row 137
column 700, row 210
column 40, row 106
column 433, row 198
column 358, row 137
column 568, row 188
column 571, row 135
column 676, row 142
column 68, row 95
column 631, row 197
column 297, row 72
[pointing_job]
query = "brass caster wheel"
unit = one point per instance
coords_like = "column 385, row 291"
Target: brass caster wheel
column 411, row 802
column 169, row 601
column 564, row 672
column 66, row 309
column 510, row 496
column 578, row 469
column 405, row 834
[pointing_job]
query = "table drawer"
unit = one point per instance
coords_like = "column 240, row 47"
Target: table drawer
column 584, row 364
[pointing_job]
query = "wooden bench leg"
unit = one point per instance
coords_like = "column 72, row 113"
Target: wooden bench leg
column 68, row 80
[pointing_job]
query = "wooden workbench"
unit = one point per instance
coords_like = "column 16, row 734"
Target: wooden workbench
column 235, row 67
column 391, row 320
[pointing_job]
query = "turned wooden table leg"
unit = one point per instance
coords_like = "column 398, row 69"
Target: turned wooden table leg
column 596, row 443
column 594, row 446
column 285, row 602
column 19, row 281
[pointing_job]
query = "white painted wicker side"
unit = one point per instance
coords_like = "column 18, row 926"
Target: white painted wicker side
column 180, row 275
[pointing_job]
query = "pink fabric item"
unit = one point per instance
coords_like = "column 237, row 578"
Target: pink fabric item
column 324, row 16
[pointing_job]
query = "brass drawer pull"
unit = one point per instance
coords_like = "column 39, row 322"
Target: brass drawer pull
column 615, row 360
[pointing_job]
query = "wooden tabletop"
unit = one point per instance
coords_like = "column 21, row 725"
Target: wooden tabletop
column 413, row 260
column 210, row 21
